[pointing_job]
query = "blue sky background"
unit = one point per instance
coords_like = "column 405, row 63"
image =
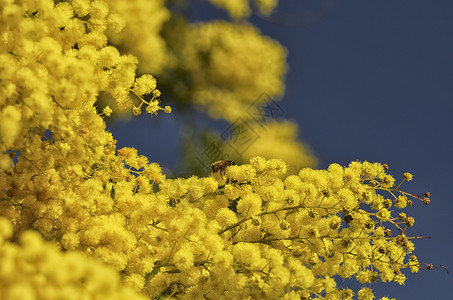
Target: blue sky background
column 368, row 80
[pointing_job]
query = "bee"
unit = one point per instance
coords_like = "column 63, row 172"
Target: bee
column 218, row 168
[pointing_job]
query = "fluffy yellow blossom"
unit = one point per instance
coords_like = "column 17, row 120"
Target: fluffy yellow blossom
column 184, row 258
column 241, row 173
column 414, row 265
column 153, row 107
column 107, row 111
column 249, row 205
column 401, row 201
column 145, row 84
column 383, row 214
column 247, row 254
column 408, row 176
column 226, row 217
column 116, row 23
column 365, row 294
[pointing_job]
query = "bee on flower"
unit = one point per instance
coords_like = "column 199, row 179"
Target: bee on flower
column 218, row 168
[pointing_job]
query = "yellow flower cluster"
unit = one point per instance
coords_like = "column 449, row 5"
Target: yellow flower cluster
column 269, row 235
column 113, row 218
column 34, row 269
column 228, row 66
column 141, row 36
column 54, row 62
column 194, row 237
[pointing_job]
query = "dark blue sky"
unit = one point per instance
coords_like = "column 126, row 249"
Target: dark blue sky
column 368, row 80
